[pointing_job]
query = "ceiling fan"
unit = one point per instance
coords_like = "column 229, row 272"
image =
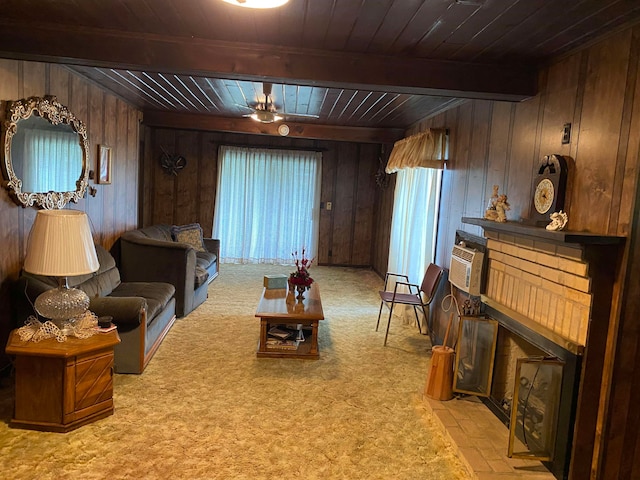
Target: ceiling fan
column 267, row 112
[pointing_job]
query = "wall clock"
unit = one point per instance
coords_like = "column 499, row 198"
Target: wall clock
column 549, row 187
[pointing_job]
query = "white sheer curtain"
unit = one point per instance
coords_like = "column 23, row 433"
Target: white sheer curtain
column 267, row 204
column 55, row 161
column 415, row 217
column 413, row 228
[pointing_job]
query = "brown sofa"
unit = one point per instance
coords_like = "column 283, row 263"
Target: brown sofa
column 151, row 254
column 143, row 311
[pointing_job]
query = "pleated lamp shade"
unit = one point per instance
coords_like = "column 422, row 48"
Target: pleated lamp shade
column 60, row 244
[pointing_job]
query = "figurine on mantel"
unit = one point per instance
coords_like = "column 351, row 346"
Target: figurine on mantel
column 558, row 221
column 497, row 207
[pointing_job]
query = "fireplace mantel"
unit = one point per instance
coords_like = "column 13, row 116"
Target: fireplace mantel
column 541, row 233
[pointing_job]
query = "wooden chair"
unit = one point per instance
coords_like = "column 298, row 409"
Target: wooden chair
column 428, row 288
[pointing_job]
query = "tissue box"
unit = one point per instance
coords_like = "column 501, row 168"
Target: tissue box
column 275, row 281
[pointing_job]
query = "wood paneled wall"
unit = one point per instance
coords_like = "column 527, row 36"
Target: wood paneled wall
column 109, row 121
column 348, row 181
column 384, row 214
column 597, row 90
column 501, row 143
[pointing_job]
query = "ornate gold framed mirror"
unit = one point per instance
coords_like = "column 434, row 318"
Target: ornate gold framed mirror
column 45, row 153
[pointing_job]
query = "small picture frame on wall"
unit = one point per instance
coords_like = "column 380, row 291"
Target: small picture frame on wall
column 104, row 164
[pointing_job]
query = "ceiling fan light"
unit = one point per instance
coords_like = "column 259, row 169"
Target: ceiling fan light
column 257, row 3
column 263, row 116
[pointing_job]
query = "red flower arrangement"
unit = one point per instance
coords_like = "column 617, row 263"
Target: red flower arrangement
column 301, row 277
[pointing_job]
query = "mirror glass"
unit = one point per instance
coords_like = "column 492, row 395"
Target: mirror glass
column 45, row 153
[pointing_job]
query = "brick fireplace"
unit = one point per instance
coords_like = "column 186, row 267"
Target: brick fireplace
column 550, row 293
column 517, row 342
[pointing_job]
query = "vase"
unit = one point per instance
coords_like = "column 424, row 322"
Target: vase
column 301, row 289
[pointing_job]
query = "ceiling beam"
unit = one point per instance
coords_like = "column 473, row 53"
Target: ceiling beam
column 193, row 56
column 154, row 118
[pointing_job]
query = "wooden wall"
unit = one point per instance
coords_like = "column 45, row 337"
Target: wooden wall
column 109, row 121
column 597, row 90
column 348, row 181
column 384, row 213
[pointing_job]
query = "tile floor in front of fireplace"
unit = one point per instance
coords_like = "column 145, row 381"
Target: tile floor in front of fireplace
column 482, row 441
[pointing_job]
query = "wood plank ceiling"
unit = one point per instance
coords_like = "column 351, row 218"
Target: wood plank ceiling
column 370, row 67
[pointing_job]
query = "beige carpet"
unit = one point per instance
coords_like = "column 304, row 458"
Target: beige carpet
column 207, row 408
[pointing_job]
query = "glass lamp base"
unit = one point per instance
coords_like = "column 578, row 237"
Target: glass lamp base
column 62, row 304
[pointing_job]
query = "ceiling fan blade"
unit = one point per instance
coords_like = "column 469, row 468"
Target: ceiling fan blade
column 302, row 115
column 248, row 107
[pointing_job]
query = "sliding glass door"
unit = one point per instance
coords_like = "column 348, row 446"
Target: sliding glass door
column 267, row 204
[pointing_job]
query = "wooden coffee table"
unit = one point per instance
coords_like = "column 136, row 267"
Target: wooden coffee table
column 278, row 307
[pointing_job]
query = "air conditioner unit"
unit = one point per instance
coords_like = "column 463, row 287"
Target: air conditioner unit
column 465, row 269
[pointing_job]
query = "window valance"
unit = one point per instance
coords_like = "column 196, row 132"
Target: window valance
column 426, row 149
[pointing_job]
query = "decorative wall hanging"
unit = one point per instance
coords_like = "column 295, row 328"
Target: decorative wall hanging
column 382, row 178
column 104, row 164
column 172, row 164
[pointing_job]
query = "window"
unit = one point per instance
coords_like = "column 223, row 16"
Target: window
column 267, row 204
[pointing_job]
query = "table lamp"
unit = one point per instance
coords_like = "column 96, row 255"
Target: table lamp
column 60, row 245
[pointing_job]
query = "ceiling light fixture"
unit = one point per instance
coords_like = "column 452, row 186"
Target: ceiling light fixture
column 264, row 116
column 257, row 3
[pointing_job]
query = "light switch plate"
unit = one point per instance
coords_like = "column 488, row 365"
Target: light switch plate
column 566, row 133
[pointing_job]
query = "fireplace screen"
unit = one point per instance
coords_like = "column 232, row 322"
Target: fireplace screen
column 475, row 353
column 534, row 414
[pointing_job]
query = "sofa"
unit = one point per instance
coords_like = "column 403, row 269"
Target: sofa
column 178, row 255
column 144, row 312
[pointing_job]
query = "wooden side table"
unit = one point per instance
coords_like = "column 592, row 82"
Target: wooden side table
column 61, row 386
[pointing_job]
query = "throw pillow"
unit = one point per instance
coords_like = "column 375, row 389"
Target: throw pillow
column 191, row 234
